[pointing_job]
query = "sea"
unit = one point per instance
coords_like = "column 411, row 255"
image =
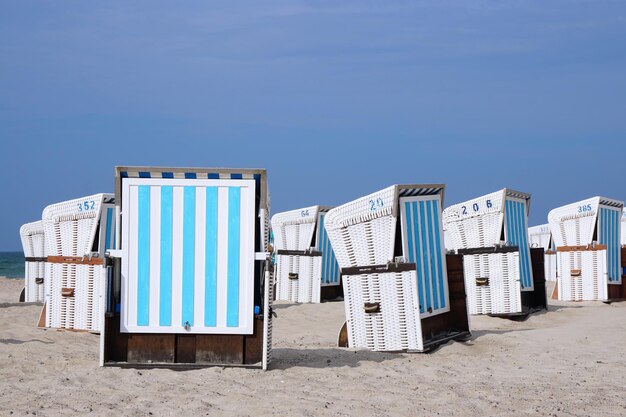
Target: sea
column 12, row 264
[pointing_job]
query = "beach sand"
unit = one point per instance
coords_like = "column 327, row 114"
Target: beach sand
column 569, row 361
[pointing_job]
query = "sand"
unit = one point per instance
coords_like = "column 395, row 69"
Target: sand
column 569, row 361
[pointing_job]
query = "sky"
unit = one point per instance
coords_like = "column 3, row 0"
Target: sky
column 336, row 99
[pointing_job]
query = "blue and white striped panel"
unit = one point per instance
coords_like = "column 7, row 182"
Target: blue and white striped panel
column 422, row 242
column 609, row 235
column 107, row 228
column 188, row 255
column 516, row 229
column 330, row 266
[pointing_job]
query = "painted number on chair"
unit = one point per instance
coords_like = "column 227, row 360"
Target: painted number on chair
column 584, row 209
column 376, row 204
column 476, row 207
column 304, row 213
column 87, row 205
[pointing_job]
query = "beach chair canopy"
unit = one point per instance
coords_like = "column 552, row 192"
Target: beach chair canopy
column 540, row 237
column 587, row 222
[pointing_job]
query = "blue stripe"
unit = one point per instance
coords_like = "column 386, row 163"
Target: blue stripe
column 516, row 226
column 213, row 176
column 603, row 238
column 617, row 245
column 524, row 245
column 520, row 239
column 144, row 174
column 609, row 236
column 613, row 243
column 165, row 280
column 167, row 174
column 189, row 254
column 322, row 248
column 431, row 255
column 232, row 291
column 210, row 294
column 330, row 267
column 190, row 175
column 124, row 174
column 409, row 208
column 107, row 239
column 427, row 272
column 336, row 274
column 438, row 248
column 143, row 256
column 609, row 240
column 604, row 230
column 508, row 223
column 236, row 176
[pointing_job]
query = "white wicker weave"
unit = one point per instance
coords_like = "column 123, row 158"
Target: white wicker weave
column 541, row 237
column 33, row 243
column 71, row 228
column 475, row 223
column 502, row 295
column 583, row 271
column 485, row 222
column 298, row 278
column 294, row 229
column 298, row 275
column 581, row 276
column 396, row 326
column 363, row 235
column 362, row 232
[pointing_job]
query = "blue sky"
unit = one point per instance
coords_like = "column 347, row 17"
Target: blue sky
column 336, row 99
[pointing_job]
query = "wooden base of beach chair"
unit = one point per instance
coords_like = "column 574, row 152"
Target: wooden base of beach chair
column 342, row 339
column 23, row 295
column 555, row 291
column 42, row 317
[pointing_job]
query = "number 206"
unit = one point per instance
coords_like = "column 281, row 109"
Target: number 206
column 476, row 206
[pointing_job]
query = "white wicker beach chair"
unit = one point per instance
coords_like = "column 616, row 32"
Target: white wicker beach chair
column 586, row 235
column 78, row 232
column 33, row 243
column 305, row 260
column 491, row 232
column 387, row 302
column 541, row 237
column 192, row 278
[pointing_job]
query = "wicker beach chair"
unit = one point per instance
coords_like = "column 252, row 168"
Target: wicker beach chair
column 192, row 284
column 492, row 235
column 541, row 237
column 77, row 233
column 305, row 261
column 33, row 243
column 587, row 239
column 395, row 272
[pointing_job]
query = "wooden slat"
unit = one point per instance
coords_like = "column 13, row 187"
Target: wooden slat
column 223, row 349
column 536, row 299
column 331, row 292
column 42, row 317
column 116, row 343
column 580, row 248
column 186, row 348
column 254, row 344
column 146, row 348
column 442, row 327
column 75, row 260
